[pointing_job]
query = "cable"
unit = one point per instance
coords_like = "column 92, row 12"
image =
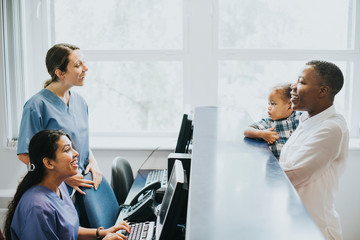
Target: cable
column 148, row 157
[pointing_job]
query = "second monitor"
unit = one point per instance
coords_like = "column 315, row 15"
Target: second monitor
column 185, row 159
column 185, row 135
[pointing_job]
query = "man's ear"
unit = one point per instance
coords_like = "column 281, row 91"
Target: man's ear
column 48, row 163
column 324, row 90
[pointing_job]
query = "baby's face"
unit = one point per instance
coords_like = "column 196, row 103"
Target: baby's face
column 278, row 107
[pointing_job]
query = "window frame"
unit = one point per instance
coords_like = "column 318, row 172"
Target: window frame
column 200, row 56
column 12, row 63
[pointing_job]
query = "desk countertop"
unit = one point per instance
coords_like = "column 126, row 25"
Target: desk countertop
column 237, row 188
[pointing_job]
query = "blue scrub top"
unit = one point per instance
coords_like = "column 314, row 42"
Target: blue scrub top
column 42, row 214
column 45, row 110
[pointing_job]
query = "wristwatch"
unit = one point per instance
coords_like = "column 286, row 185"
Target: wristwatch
column 98, row 232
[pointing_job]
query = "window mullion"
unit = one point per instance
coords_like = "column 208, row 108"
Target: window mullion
column 133, row 55
column 287, row 54
column 355, row 86
column 200, row 64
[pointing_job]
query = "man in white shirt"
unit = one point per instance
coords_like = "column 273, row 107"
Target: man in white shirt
column 314, row 156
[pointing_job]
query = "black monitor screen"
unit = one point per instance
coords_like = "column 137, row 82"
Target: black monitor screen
column 185, row 135
column 173, row 204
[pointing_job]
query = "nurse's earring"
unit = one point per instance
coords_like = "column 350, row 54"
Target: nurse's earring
column 31, row 167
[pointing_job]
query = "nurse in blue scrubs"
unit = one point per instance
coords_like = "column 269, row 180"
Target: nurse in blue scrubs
column 42, row 208
column 57, row 106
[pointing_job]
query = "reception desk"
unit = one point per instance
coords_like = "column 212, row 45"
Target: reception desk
column 237, row 188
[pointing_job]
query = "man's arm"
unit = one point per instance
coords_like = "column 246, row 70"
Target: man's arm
column 311, row 159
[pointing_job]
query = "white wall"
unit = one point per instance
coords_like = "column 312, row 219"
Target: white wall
column 348, row 197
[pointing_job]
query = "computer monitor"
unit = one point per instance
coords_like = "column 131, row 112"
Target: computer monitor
column 185, row 135
column 185, row 159
column 173, row 205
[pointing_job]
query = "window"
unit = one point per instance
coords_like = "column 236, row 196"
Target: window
column 262, row 43
column 118, row 25
column 127, row 91
column 286, row 24
column 131, row 96
column 148, row 59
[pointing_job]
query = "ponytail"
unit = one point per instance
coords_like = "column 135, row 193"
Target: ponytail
column 47, row 82
column 31, row 179
column 42, row 145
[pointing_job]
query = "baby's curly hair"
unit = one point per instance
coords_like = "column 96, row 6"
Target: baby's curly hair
column 284, row 89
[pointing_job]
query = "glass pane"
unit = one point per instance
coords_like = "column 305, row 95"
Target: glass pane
column 119, row 24
column 247, row 84
column 284, row 24
column 133, row 96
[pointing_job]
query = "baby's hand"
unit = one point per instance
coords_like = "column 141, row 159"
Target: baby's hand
column 269, row 135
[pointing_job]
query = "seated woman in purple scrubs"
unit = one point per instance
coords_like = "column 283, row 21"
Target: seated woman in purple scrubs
column 42, row 207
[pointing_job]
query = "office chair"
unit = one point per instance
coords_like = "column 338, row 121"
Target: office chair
column 98, row 208
column 121, row 178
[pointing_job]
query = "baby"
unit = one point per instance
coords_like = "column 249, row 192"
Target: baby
column 281, row 123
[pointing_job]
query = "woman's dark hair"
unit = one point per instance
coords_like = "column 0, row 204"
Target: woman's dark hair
column 57, row 57
column 42, row 145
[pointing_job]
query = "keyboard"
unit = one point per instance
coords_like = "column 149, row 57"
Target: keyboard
column 140, row 231
column 158, row 175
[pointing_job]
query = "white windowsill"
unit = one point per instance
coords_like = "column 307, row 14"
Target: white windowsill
column 133, row 143
column 151, row 143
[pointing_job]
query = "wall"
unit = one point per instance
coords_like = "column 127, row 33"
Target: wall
column 348, row 197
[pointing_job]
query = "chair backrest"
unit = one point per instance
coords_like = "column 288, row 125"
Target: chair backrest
column 98, row 208
column 121, row 178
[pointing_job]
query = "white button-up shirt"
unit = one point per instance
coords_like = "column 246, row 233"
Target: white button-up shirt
column 313, row 158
